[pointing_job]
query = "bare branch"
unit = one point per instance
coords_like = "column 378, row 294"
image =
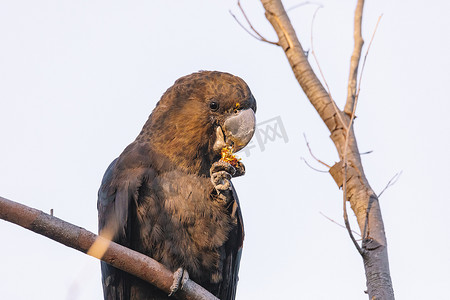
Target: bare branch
column 314, row 53
column 308, row 80
column 355, row 58
column 116, row 255
column 255, row 33
column 357, row 190
column 365, row 56
column 367, row 152
column 300, row 4
column 310, row 152
column 317, row 170
column 347, row 223
column 320, row 69
column 352, row 104
column 340, row 225
column 391, row 182
column 344, row 186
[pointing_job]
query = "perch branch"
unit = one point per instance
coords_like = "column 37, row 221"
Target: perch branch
column 116, row 255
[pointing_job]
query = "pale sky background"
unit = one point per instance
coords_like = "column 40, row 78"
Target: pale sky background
column 78, row 80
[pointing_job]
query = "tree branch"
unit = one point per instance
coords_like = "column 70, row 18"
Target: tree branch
column 365, row 56
column 333, row 221
column 301, row 4
column 358, row 192
column 312, row 154
column 310, row 83
column 314, row 52
column 390, row 183
column 311, row 167
column 256, row 34
column 355, row 58
column 116, row 255
column 344, row 183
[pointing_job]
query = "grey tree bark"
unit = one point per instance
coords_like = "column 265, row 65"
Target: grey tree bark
column 349, row 172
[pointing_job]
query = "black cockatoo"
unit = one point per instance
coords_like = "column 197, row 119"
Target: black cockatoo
column 169, row 194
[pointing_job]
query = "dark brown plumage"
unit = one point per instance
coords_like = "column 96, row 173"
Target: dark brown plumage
column 158, row 195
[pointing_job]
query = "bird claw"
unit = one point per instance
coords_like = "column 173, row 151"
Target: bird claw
column 221, row 173
column 240, row 169
column 222, row 166
column 180, row 276
column 221, row 180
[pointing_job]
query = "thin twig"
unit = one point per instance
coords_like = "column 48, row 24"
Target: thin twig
column 338, row 112
column 321, row 171
column 243, row 27
column 330, row 219
column 255, row 33
column 314, row 53
column 310, row 152
column 391, row 182
column 365, row 56
column 367, row 152
column 248, row 21
column 302, row 4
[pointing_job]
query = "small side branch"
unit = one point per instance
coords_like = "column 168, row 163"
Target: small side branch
column 340, row 225
column 312, row 154
column 311, row 167
column 391, row 182
column 365, row 56
column 116, row 255
column 300, row 4
column 254, row 33
column 314, row 53
column 338, row 112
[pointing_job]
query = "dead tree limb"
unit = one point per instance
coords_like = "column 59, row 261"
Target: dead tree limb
column 116, row 255
column 355, row 58
column 364, row 202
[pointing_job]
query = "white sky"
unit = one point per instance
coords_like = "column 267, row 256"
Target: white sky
column 78, row 79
